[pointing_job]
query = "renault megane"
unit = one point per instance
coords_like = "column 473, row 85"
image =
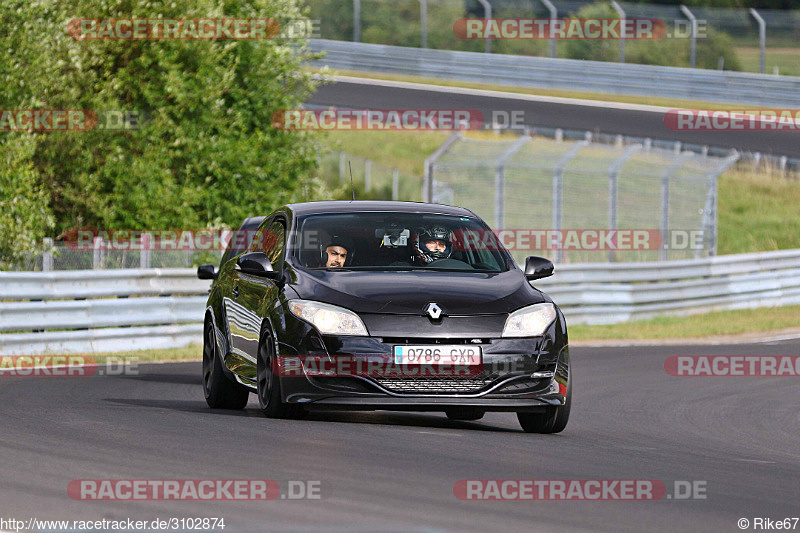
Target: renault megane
column 428, row 310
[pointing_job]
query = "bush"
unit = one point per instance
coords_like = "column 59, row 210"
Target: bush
column 664, row 51
column 593, row 50
column 25, row 216
column 207, row 152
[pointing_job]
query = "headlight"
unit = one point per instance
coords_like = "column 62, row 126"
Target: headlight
column 327, row 318
column 530, row 321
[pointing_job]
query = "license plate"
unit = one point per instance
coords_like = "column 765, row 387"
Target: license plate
column 438, row 354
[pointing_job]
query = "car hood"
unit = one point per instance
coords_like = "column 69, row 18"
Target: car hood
column 408, row 292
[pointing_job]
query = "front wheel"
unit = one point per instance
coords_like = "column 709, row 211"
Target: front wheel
column 553, row 420
column 268, row 385
column 220, row 392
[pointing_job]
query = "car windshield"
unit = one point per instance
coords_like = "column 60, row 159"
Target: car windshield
column 397, row 241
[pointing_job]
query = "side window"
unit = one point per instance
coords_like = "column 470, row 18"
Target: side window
column 271, row 242
column 241, row 241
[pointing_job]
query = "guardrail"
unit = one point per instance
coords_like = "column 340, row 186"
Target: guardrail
column 619, row 292
column 572, row 74
column 85, row 311
column 119, row 310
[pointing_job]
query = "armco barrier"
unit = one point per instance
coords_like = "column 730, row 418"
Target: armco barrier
column 572, row 74
column 113, row 310
column 619, row 292
column 85, row 311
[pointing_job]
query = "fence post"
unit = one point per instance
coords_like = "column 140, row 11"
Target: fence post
column 710, row 213
column 487, row 14
column 665, row 179
column 47, row 254
column 395, row 184
column 500, row 181
column 357, row 21
column 427, row 180
column 367, row 175
column 622, row 17
column 97, row 256
column 762, row 38
column 423, row 21
column 613, row 173
column 144, row 253
column 693, row 43
column 551, row 42
column 558, row 186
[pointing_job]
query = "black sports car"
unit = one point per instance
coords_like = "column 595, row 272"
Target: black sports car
column 371, row 305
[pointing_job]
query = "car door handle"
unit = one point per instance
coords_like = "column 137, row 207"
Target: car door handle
column 235, row 292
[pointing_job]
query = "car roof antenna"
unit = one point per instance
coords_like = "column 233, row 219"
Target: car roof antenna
column 352, row 188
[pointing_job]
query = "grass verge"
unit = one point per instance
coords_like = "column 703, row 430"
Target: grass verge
column 187, row 353
column 787, row 60
column 757, row 212
column 719, row 323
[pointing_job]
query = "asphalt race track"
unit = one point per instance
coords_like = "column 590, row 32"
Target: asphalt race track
column 395, row 471
column 637, row 121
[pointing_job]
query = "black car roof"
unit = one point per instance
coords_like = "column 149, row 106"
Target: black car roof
column 345, row 206
column 252, row 223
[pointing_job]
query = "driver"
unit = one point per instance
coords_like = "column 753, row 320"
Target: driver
column 334, row 253
column 432, row 244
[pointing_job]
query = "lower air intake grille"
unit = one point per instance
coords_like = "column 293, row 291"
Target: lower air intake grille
column 436, row 385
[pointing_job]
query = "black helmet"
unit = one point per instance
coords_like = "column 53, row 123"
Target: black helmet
column 436, row 233
column 336, row 240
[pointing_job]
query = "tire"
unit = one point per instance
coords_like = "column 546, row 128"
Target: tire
column 268, row 386
column 553, row 420
column 220, row 392
column 465, row 414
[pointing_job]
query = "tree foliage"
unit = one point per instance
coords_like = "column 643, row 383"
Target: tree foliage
column 205, row 151
column 665, row 51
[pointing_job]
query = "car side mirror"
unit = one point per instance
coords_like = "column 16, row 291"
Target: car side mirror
column 257, row 264
column 207, row 272
column 537, row 268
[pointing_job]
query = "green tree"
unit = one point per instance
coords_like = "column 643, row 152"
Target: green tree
column 25, row 217
column 594, row 50
column 206, row 153
column 664, row 51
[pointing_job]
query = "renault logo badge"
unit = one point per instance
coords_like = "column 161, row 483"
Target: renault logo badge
column 433, row 311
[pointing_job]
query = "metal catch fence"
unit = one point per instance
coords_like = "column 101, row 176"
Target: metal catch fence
column 535, row 184
column 429, row 24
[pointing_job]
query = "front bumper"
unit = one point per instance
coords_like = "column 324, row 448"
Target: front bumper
column 526, row 374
